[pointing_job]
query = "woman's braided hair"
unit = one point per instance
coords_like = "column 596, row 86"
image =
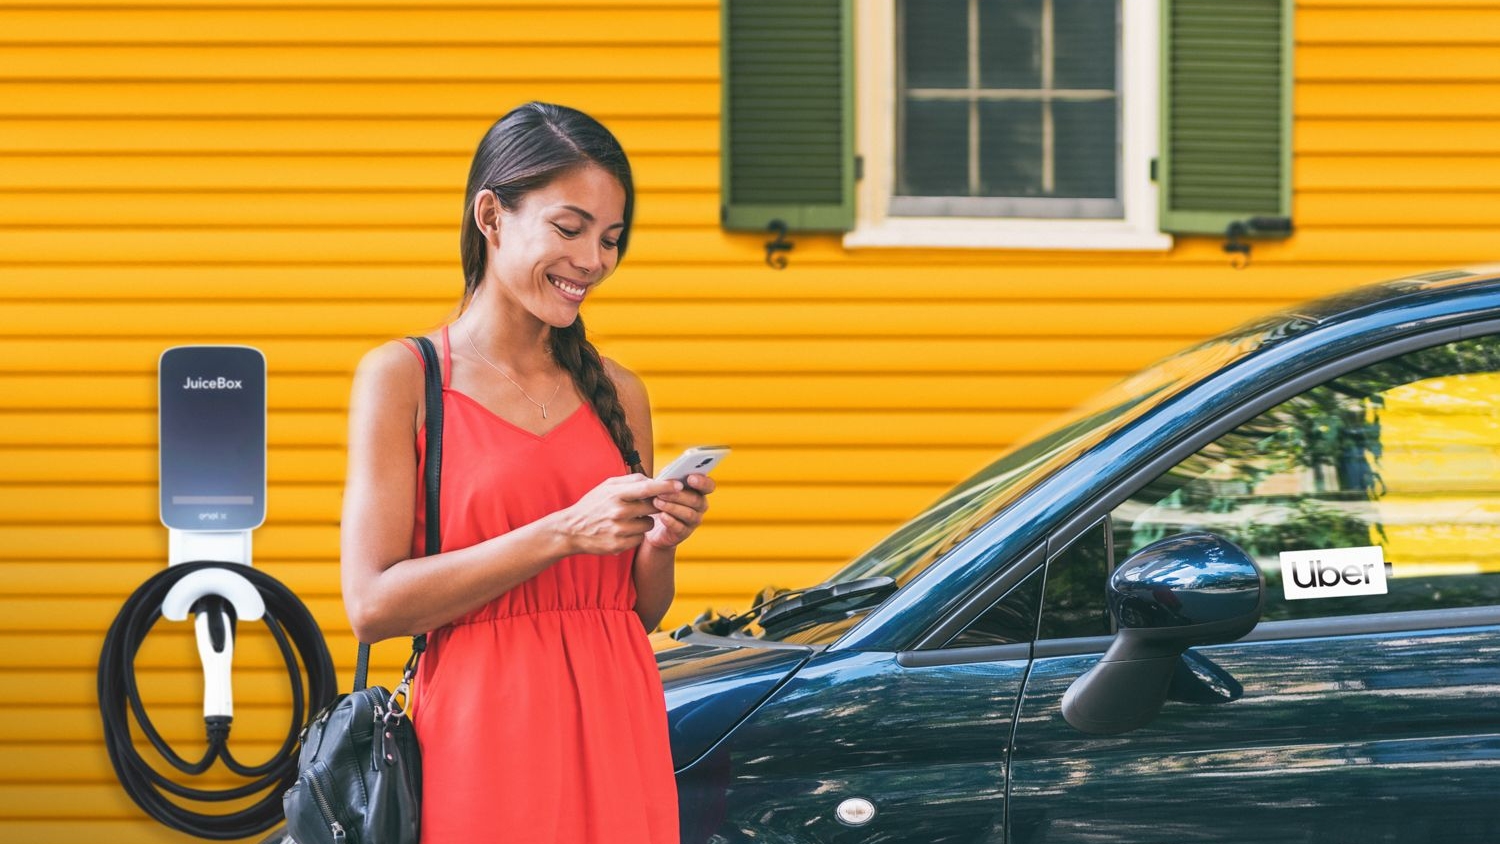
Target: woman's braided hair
column 525, row 150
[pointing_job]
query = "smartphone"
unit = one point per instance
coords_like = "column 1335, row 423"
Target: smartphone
column 698, row 460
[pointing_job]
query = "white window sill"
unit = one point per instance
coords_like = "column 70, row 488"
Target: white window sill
column 980, row 233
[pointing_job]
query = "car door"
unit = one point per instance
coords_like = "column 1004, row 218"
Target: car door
column 867, row 746
column 1342, row 716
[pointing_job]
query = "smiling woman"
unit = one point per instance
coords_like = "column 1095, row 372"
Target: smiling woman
column 557, row 550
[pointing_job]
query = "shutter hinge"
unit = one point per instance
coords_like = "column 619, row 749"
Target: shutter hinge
column 859, row 167
column 776, row 249
column 1239, row 250
column 1155, row 166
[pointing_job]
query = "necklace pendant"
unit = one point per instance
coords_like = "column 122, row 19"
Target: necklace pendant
column 544, row 411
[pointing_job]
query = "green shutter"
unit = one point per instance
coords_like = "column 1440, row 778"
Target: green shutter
column 788, row 118
column 1226, row 113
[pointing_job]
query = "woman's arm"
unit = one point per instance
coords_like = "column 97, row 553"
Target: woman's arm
column 387, row 592
column 681, row 510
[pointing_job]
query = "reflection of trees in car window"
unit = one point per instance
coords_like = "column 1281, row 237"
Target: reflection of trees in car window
column 1009, row 620
column 1074, row 602
column 1404, row 454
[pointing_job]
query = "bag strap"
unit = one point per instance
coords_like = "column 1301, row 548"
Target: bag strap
column 432, row 481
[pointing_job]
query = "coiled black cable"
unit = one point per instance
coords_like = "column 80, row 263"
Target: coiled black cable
column 292, row 626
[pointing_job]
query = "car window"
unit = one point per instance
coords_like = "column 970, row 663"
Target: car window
column 1074, row 603
column 1401, row 459
column 1010, row 620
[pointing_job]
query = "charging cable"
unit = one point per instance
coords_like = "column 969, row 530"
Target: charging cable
column 199, row 588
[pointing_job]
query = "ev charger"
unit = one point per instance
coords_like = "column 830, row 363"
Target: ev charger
column 212, row 444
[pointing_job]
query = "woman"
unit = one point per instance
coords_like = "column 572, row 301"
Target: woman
column 537, row 703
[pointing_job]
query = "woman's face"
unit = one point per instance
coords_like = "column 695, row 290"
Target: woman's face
column 560, row 243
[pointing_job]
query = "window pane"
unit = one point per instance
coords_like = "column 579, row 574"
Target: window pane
column 1074, row 602
column 1012, row 619
column 935, row 37
column 1084, row 144
column 1404, row 454
column 1010, row 148
column 1010, row 39
column 935, row 149
column 1084, row 44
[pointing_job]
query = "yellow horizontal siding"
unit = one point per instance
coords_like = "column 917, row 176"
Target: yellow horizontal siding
column 616, row 318
column 1396, row 136
column 362, row 172
column 72, row 829
column 1463, row 100
column 1428, row 209
column 1402, row 63
column 260, row 135
column 248, row 171
column 705, row 245
column 729, row 392
column 313, row 504
column 279, row 211
column 284, row 210
column 1399, row 23
column 367, row 5
column 902, row 275
column 563, row 28
column 68, row 439
column 296, row 542
column 625, row 63
column 79, row 725
column 118, row 578
column 319, row 99
column 662, row 354
column 835, row 462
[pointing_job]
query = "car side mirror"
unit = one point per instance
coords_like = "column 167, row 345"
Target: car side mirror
column 1185, row 590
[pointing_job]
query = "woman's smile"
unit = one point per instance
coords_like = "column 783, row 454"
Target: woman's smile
column 571, row 289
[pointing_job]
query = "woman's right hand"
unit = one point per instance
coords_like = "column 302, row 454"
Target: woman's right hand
column 614, row 516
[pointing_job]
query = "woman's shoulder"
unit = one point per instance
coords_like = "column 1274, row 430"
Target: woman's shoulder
column 393, row 358
column 390, row 372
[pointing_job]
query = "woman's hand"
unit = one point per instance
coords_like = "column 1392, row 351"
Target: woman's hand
column 678, row 513
column 614, row 516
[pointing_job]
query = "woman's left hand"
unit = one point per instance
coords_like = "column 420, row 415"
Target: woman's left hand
column 681, row 512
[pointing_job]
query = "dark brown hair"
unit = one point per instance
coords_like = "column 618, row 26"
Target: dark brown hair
column 525, row 150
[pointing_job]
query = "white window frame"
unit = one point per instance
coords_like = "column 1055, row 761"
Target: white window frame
column 875, row 142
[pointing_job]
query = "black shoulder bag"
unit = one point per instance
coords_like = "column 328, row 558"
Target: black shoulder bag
column 360, row 771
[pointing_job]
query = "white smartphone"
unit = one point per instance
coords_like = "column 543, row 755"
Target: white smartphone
column 698, row 460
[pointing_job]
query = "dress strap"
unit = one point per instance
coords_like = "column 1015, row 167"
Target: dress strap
column 417, row 353
column 447, row 359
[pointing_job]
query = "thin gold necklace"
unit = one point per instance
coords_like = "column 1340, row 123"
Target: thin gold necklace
column 541, row 404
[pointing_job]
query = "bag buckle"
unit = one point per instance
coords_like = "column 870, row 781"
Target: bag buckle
column 396, row 705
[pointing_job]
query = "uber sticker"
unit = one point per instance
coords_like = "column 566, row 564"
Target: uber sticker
column 1333, row 572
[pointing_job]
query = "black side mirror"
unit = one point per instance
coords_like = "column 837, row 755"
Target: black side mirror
column 1186, row 590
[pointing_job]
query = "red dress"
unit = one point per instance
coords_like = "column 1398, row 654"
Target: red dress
column 541, row 714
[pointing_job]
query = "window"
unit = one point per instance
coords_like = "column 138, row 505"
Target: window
column 1007, row 109
column 1403, row 454
column 1034, row 124
column 1009, row 621
column 1027, row 124
column 1074, row 602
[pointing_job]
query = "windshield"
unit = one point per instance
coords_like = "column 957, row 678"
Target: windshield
column 966, row 507
column 972, row 503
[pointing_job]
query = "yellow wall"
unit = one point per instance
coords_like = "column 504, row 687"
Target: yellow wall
column 251, row 173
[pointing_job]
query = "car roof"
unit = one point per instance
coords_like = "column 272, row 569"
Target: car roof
column 1382, row 297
